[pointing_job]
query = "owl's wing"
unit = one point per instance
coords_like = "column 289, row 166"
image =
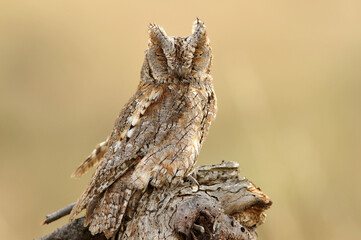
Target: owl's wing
column 129, row 141
column 94, row 158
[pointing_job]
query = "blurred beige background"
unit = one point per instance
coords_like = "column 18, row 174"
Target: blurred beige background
column 287, row 76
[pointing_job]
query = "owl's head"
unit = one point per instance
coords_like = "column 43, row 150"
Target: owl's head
column 177, row 58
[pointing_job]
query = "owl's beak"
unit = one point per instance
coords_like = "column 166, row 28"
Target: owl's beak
column 182, row 71
column 179, row 69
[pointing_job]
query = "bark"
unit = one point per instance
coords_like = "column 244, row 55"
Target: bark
column 223, row 206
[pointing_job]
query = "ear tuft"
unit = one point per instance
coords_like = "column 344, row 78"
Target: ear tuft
column 157, row 35
column 199, row 33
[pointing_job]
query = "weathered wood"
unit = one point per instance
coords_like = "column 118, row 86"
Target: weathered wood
column 58, row 214
column 223, row 206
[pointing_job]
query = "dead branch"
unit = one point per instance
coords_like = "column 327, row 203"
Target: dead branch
column 223, row 206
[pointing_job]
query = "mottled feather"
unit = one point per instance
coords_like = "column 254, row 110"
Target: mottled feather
column 92, row 159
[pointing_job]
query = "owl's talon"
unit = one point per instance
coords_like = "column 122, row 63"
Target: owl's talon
column 193, row 180
column 198, row 228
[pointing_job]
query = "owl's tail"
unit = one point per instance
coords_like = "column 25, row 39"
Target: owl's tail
column 105, row 214
column 92, row 159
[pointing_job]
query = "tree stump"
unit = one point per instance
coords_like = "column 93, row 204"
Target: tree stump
column 223, row 206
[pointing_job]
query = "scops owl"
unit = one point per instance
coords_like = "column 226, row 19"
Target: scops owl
column 159, row 132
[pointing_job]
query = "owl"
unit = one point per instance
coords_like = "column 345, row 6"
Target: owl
column 158, row 134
